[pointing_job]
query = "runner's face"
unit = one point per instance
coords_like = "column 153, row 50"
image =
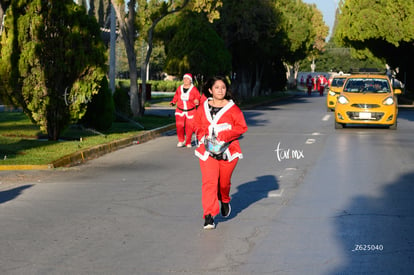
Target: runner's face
column 218, row 91
column 187, row 81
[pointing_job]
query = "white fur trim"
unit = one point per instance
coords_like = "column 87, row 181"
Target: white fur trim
column 236, row 155
column 184, row 114
column 203, row 157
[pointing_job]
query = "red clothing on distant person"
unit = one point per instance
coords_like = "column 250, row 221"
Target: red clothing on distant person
column 187, row 100
column 323, row 82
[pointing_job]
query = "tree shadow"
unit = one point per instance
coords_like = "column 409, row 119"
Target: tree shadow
column 253, row 119
column 11, row 194
column 406, row 113
column 253, row 115
column 250, row 193
column 376, row 233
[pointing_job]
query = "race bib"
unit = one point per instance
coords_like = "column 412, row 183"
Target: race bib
column 185, row 96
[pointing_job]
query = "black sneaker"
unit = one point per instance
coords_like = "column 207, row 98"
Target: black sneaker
column 225, row 209
column 209, row 222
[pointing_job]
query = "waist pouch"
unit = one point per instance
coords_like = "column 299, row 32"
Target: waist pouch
column 215, row 149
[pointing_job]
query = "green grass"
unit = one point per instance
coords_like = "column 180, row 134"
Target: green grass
column 21, row 142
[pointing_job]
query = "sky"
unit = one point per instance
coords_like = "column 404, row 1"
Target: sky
column 328, row 8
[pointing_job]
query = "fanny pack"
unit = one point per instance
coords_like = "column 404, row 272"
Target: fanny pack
column 215, row 149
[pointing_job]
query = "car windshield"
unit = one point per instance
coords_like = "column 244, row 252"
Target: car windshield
column 337, row 82
column 367, row 85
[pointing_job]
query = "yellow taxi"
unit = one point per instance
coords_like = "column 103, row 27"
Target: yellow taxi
column 367, row 99
column 335, row 89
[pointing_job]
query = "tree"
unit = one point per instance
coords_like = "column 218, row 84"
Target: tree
column 142, row 17
column 128, row 28
column 334, row 58
column 383, row 28
column 101, row 10
column 202, row 53
column 252, row 40
column 303, row 36
column 52, row 61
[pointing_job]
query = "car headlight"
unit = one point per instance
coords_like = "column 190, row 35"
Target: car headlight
column 388, row 101
column 342, row 100
column 332, row 93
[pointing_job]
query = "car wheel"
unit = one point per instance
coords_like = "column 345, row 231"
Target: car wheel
column 393, row 127
column 339, row 125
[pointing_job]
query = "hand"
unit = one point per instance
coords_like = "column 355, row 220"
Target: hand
column 222, row 136
column 172, row 104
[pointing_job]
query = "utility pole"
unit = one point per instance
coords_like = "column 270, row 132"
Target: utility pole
column 112, row 55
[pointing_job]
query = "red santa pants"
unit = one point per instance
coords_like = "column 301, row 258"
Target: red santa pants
column 309, row 90
column 321, row 90
column 216, row 182
column 185, row 128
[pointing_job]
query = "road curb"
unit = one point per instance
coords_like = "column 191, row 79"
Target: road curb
column 24, row 167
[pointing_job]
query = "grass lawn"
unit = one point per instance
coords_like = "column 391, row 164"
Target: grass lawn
column 21, row 142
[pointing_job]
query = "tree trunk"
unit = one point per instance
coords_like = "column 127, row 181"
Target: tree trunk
column 128, row 31
column 290, row 75
column 144, row 66
column 3, row 7
column 145, row 63
column 134, row 94
column 53, row 126
column 296, row 67
column 258, row 79
column 245, row 85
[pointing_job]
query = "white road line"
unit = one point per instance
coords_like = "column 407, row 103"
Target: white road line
column 310, row 141
column 275, row 193
column 326, row 117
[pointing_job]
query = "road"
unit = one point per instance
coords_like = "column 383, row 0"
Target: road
column 306, row 199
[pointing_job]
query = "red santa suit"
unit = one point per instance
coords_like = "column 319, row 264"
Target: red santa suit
column 228, row 124
column 186, row 100
column 322, row 83
column 202, row 99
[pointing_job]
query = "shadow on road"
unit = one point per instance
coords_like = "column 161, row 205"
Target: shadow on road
column 406, row 114
column 376, row 233
column 254, row 116
column 251, row 192
column 11, row 194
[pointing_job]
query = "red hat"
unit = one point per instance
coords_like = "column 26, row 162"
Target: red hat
column 190, row 76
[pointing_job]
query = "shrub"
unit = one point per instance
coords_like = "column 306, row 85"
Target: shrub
column 100, row 111
column 122, row 100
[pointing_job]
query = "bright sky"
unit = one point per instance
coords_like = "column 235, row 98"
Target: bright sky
column 328, row 8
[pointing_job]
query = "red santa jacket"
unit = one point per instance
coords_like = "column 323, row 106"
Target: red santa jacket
column 323, row 81
column 228, row 125
column 185, row 101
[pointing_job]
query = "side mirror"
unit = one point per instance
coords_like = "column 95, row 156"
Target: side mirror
column 397, row 91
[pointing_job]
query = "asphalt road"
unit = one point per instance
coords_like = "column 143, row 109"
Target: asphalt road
column 306, row 199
